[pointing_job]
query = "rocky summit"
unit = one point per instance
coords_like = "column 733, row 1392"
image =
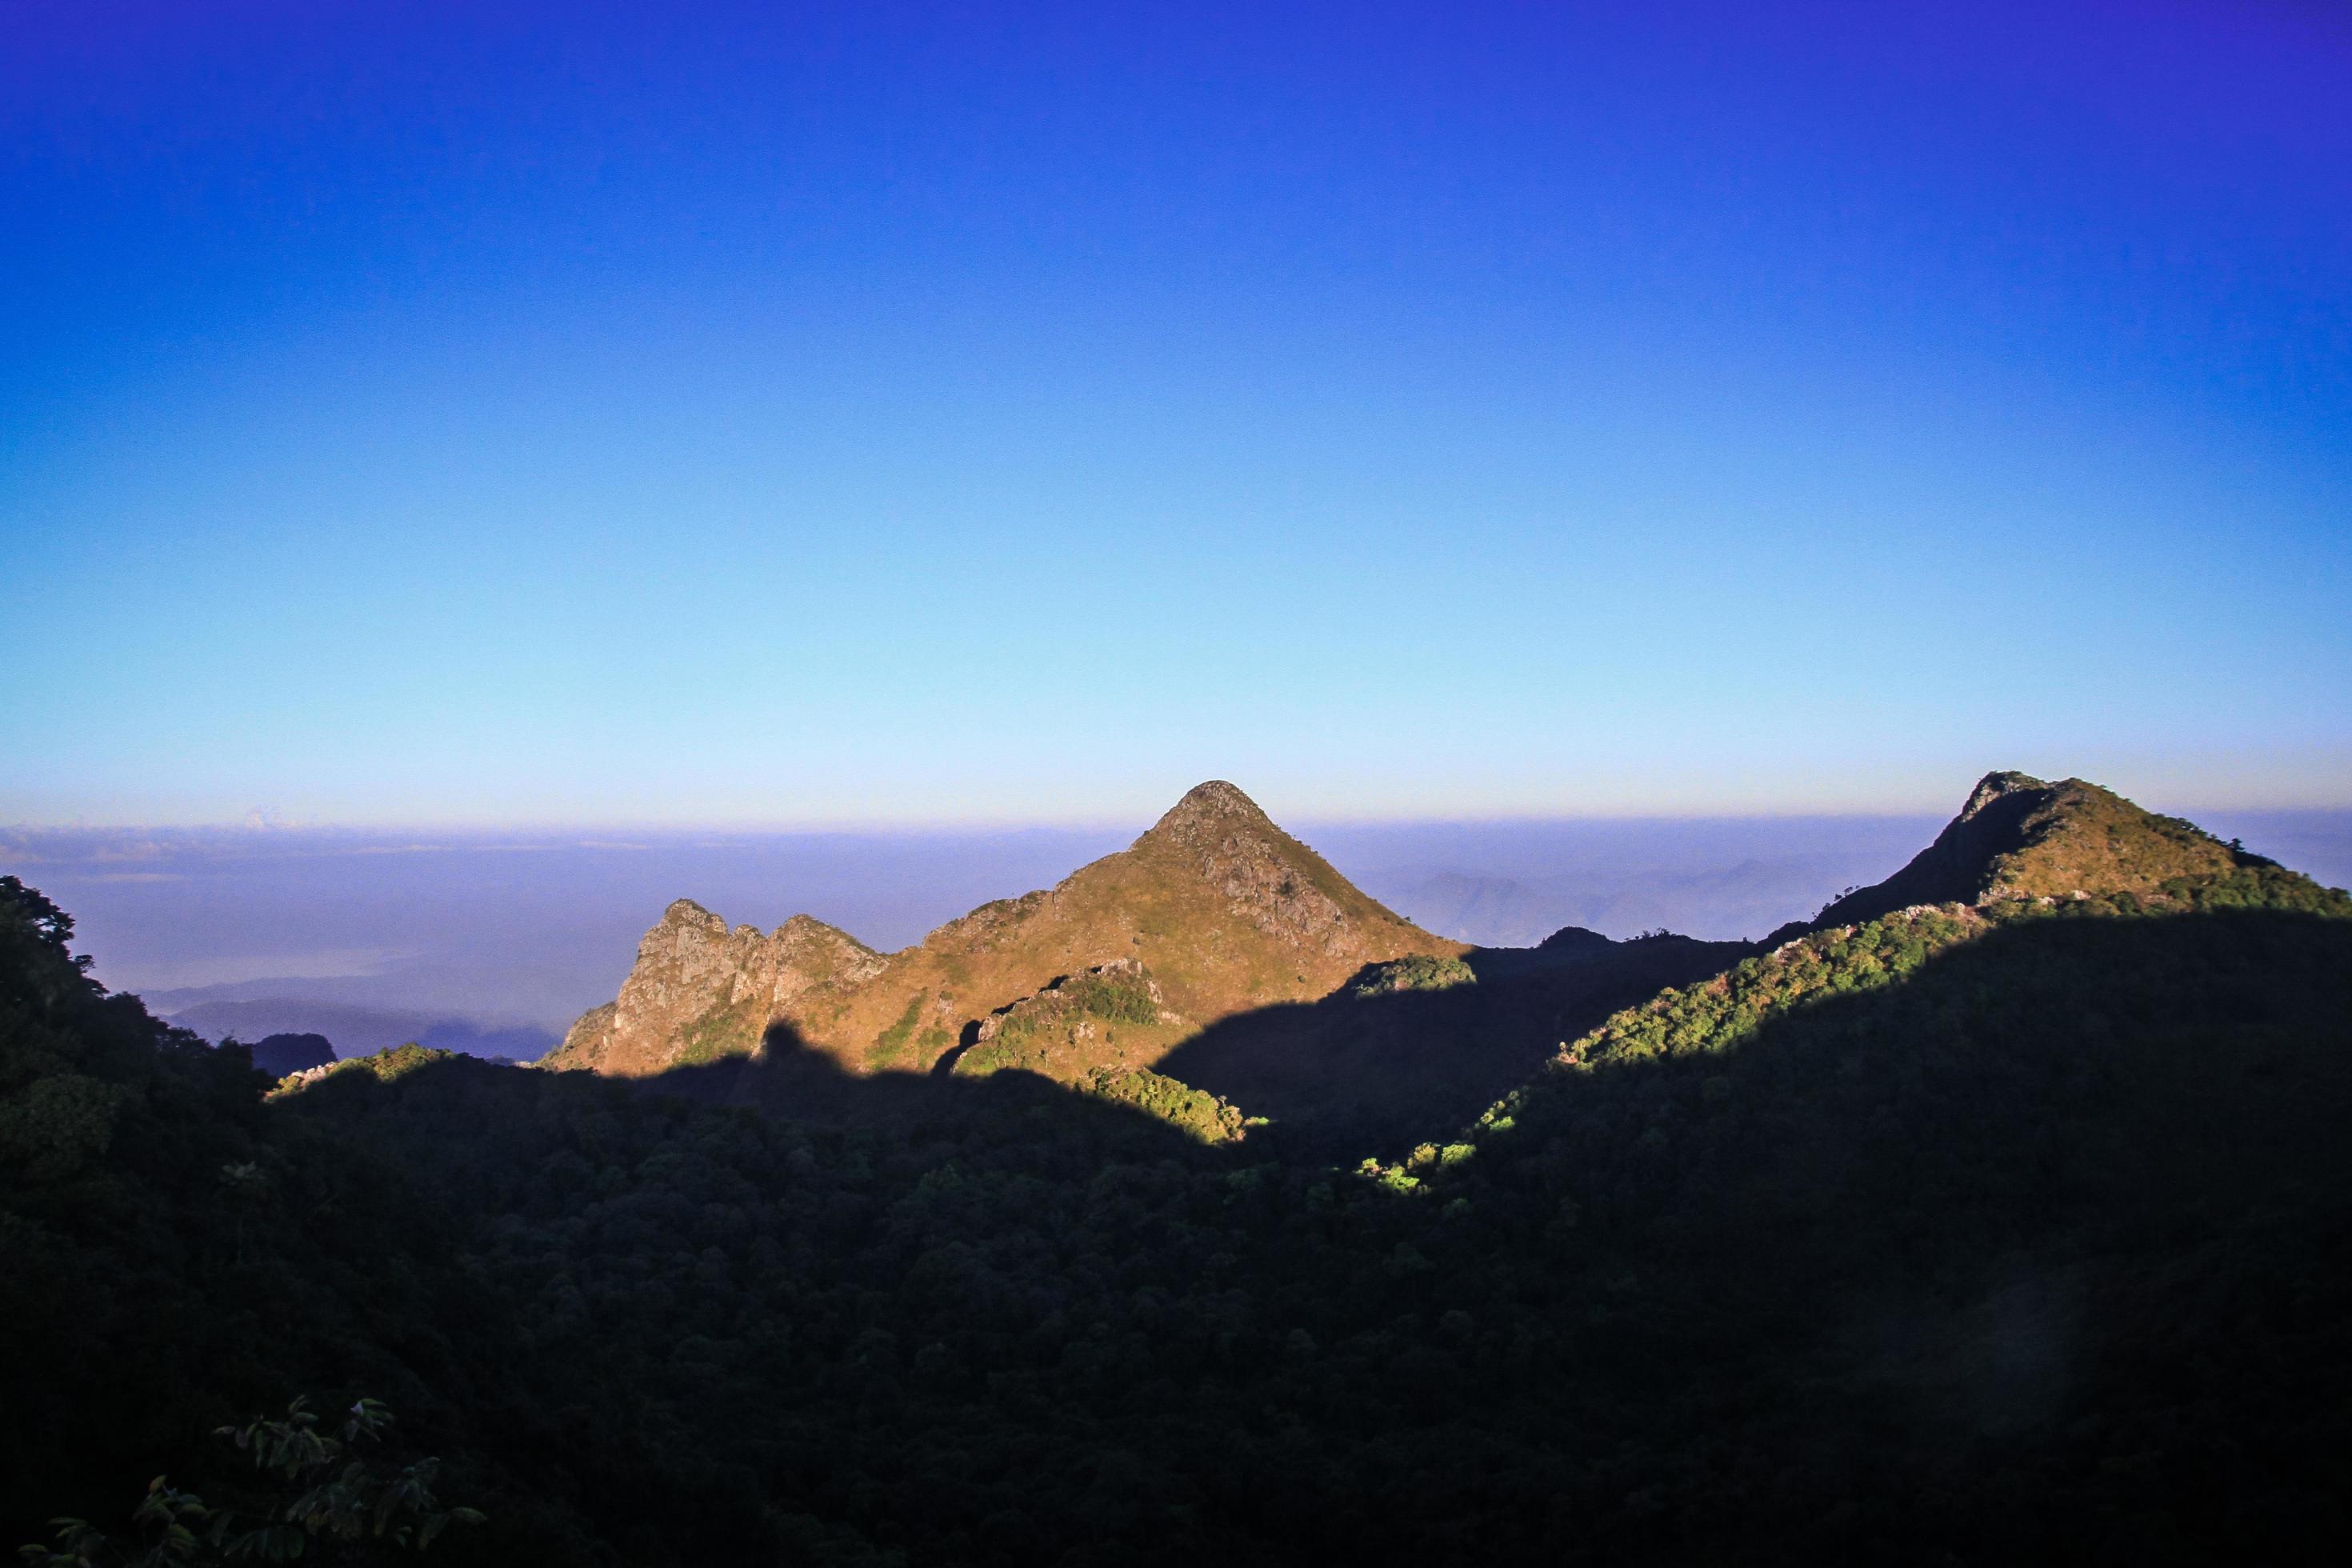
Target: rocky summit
column 1214, row 911
column 2018, row 837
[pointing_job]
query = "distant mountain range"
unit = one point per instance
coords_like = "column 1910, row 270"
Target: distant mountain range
column 1752, row 895
column 356, row 1030
column 1489, row 912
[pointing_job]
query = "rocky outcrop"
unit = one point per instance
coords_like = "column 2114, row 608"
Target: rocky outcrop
column 1271, row 879
column 700, row 990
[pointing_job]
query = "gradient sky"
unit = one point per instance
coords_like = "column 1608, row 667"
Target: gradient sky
column 438, row 413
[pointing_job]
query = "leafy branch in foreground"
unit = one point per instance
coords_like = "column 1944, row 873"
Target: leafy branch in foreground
column 331, row 1505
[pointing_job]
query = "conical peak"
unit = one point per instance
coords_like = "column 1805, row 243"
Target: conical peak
column 1215, row 805
column 1217, row 795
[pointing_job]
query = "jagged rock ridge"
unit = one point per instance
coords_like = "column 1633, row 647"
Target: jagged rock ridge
column 700, row 990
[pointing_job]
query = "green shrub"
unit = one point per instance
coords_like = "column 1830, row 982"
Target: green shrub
column 1420, row 973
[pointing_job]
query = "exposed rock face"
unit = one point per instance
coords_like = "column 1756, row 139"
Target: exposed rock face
column 700, row 990
column 1227, row 911
column 1268, row 876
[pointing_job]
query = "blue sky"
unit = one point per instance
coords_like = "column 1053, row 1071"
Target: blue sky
column 770, row 415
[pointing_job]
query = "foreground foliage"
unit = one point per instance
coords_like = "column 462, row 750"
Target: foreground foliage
column 329, row 1503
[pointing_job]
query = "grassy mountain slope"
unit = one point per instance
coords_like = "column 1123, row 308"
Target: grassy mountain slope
column 1227, row 910
column 2018, row 837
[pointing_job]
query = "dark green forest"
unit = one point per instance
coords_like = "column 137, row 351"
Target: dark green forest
column 1963, row 1234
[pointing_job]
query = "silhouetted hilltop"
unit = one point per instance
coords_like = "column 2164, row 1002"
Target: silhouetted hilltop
column 282, row 1055
column 1573, row 940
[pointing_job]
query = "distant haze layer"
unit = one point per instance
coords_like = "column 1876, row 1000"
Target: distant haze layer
column 493, row 944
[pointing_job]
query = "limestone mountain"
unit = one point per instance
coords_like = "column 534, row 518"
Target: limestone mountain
column 1215, row 910
column 2021, row 837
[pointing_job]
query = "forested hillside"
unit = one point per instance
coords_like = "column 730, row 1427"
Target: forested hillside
column 2014, row 1228
column 180, row 1255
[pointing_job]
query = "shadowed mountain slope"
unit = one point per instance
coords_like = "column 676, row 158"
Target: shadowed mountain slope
column 1223, row 909
column 1413, row 1051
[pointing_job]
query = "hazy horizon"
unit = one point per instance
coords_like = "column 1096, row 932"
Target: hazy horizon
column 1938, row 795
column 493, row 944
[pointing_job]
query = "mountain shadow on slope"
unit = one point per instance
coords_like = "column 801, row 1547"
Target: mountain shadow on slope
column 789, row 1077
column 1380, row 1063
column 1375, row 1067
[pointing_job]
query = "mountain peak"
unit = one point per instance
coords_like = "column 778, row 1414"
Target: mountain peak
column 1213, row 806
column 1229, row 912
column 1254, row 871
column 2020, row 837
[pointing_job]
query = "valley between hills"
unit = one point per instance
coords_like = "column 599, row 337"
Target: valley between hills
column 1202, row 1205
